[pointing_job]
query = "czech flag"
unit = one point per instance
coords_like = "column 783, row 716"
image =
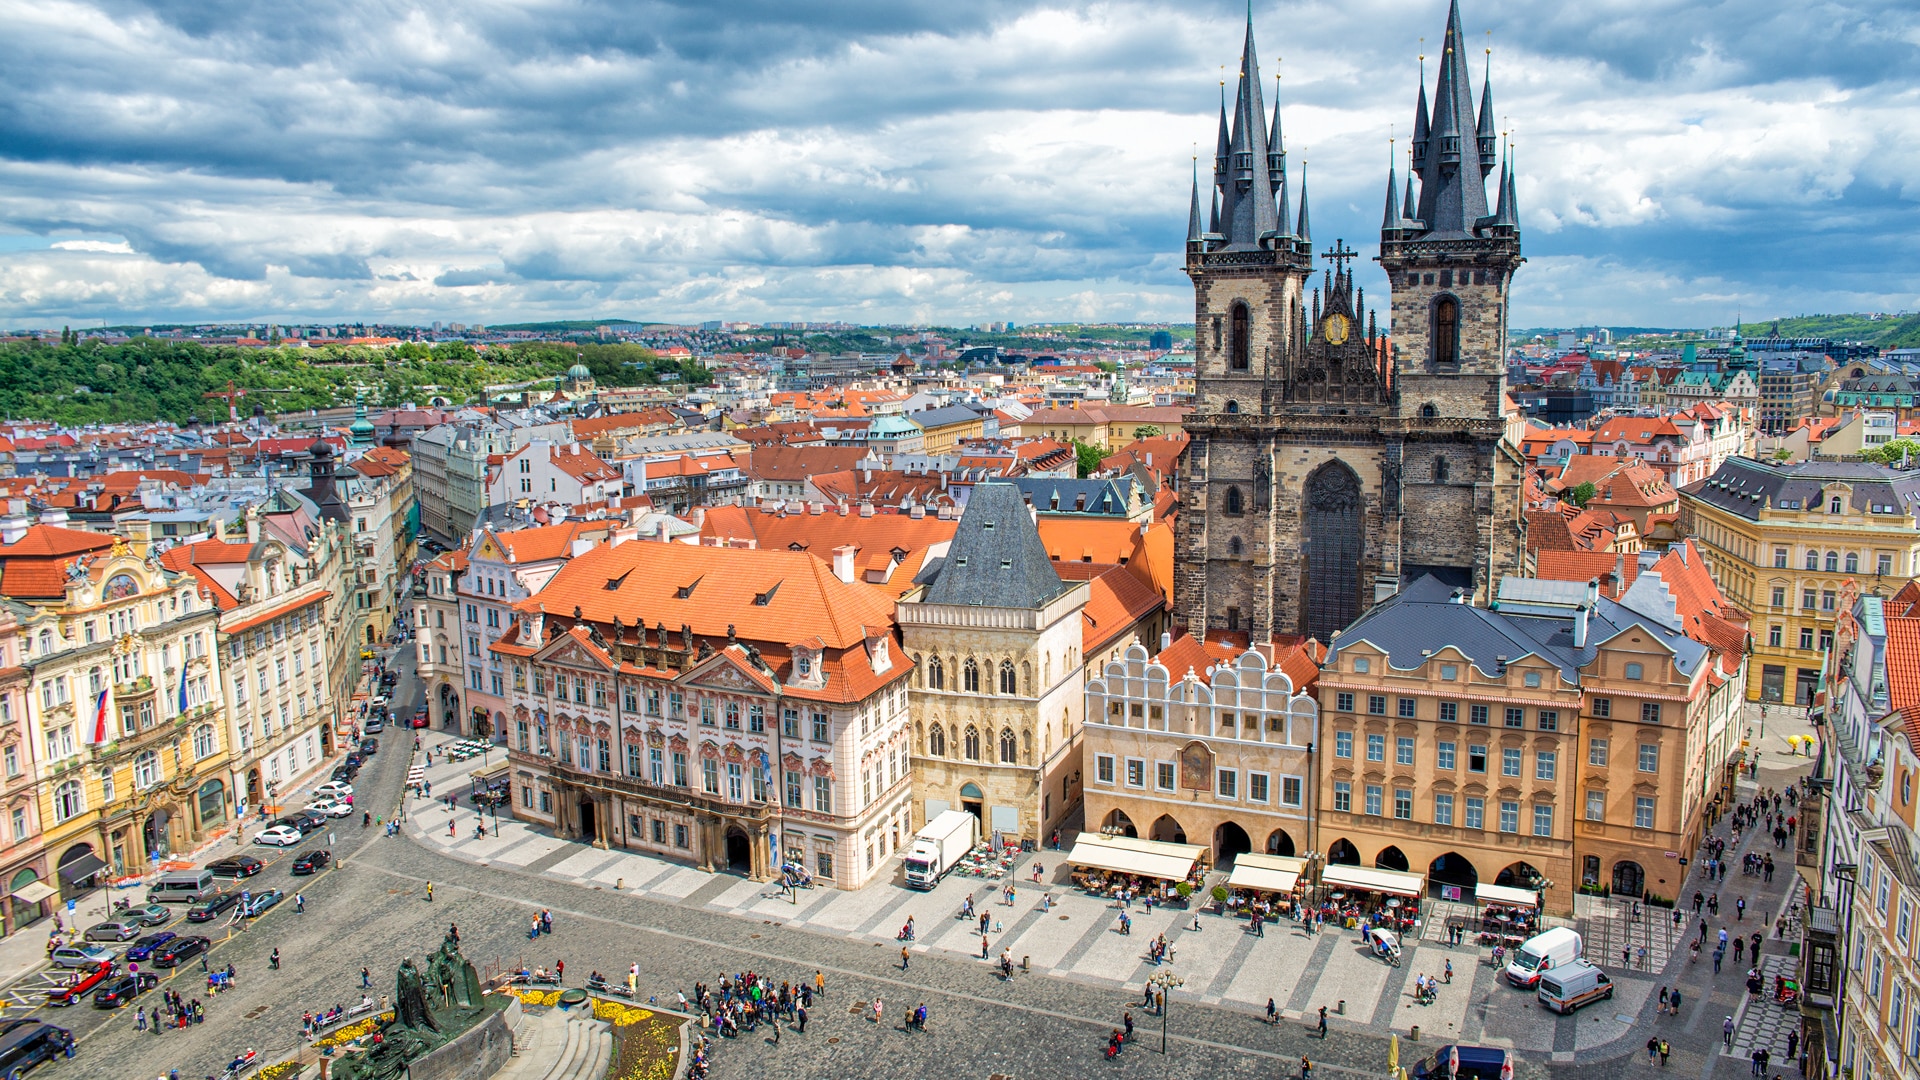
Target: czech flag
column 99, row 732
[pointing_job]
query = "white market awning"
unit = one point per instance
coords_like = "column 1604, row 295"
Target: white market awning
column 34, row 891
column 1503, row 894
column 1126, row 855
column 1266, row 873
column 1373, row 879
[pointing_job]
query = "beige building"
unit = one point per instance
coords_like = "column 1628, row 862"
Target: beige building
column 999, row 642
column 1556, row 743
column 1188, row 748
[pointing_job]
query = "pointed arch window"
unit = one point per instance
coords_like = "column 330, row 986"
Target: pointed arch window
column 971, row 681
column 1009, row 751
column 937, row 741
column 1239, row 346
column 970, row 747
column 1446, row 332
column 1440, row 468
column 1233, row 546
column 1007, row 684
column 1234, row 507
column 936, row 674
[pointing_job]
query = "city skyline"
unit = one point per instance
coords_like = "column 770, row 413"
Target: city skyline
column 908, row 164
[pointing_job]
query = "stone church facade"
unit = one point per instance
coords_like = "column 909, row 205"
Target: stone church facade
column 1334, row 461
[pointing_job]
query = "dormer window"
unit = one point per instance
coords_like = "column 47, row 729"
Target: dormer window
column 806, row 667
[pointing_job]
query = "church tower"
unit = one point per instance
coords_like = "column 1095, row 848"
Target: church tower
column 1317, row 444
column 1450, row 260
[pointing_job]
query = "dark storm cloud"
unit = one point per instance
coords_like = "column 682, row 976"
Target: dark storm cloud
column 911, row 158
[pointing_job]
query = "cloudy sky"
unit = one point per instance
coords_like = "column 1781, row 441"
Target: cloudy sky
column 909, row 160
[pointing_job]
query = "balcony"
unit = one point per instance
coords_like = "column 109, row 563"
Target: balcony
column 620, row 783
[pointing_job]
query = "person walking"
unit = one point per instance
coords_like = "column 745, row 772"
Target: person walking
column 1306, row 1068
column 1674, row 1001
column 366, row 977
column 429, row 892
column 299, row 904
column 1273, row 1013
column 801, row 1013
column 819, row 983
column 1663, row 1000
column 903, row 958
column 1322, row 1030
column 1726, row 1032
column 1653, row 1048
column 1665, row 1049
column 274, row 960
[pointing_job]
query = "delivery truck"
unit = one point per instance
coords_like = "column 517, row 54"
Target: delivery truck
column 939, row 846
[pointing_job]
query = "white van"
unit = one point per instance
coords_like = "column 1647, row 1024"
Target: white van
column 186, row 887
column 1570, row 986
column 1542, row 953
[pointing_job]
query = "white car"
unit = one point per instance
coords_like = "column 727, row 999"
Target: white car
column 333, row 789
column 277, row 836
column 331, row 807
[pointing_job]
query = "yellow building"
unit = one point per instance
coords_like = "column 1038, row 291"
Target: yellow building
column 1782, row 539
column 1111, row 427
column 124, row 699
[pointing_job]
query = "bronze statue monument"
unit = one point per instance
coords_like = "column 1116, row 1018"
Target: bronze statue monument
column 431, row 1009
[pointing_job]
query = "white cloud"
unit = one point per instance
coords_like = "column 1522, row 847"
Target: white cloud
column 905, row 160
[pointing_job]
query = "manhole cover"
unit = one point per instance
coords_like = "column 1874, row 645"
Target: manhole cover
column 753, row 935
column 856, row 1008
column 258, row 1011
column 835, row 1039
column 1063, row 918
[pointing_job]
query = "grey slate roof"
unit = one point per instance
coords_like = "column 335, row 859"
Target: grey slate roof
column 941, row 417
column 996, row 558
column 1106, row 497
column 1745, row 486
column 1528, row 622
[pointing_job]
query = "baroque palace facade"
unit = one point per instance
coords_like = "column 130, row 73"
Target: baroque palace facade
column 1331, row 462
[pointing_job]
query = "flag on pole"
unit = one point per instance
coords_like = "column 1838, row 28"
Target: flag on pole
column 183, row 689
column 99, row 732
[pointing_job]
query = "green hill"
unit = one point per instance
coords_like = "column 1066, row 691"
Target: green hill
column 1888, row 332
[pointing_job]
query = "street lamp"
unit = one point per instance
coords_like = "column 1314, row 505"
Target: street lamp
column 1164, row 981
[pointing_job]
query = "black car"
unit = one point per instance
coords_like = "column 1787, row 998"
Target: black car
column 355, row 761
column 312, row 862
column 116, row 992
column 344, row 773
column 182, row 948
column 240, row 866
column 314, row 819
column 211, row 908
column 300, row 822
column 29, row 1042
column 369, row 747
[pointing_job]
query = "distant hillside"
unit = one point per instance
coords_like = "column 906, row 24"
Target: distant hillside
column 1902, row 332
column 563, row 326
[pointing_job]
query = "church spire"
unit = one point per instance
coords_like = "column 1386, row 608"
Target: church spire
column 1451, row 159
column 1390, row 220
column 1277, row 163
column 1488, row 138
column 1412, row 208
column 1195, row 231
column 1301, row 231
column 1507, row 217
column 1247, row 211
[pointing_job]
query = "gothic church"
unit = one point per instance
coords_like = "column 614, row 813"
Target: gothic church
column 1332, row 462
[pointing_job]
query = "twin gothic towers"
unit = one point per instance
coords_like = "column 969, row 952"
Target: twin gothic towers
column 1332, row 462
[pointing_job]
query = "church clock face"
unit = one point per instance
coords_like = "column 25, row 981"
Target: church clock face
column 1334, row 328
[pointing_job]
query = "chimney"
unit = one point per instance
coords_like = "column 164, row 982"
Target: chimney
column 1593, row 592
column 843, row 562
column 12, row 528
column 55, row 516
column 253, row 524
column 1166, row 640
column 579, row 547
column 1580, row 624
column 1459, row 597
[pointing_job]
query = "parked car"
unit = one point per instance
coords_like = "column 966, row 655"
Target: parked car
column 211, row 908
column 62, row 996
column 278, row 836
column 239, row 866
column 115, row 930
column 420, row 717
column 354, row 761
column 180, row 948
column 306, row 820
column 331, row 807
column 344, row 773
column 1476, row 1063
column 150, row 914
column 119, row 990
column 312, row 862
column 28, row 1042
column 262, row 901
column 333, row 789
column 147, row 946
column 369, row 747
column 79, row 956
column 374, row 724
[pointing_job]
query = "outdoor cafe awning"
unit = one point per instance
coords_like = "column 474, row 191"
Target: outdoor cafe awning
column 34, row 891
column 1372, row 879
column 80, row 867
column 1127, row 855
column 1502, row 894
column 1266, row 873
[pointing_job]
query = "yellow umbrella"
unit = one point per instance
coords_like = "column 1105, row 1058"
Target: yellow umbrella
column 1393, row 1055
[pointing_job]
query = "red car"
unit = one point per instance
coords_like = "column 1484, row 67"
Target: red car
column 67, row 995
column 420, row 718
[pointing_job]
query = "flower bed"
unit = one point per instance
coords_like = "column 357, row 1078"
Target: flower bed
column 646, row 1044
column 359, row 1029
column 285, row 1070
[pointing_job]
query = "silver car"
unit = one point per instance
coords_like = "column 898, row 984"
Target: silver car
column 79, row 956
column 116, row 930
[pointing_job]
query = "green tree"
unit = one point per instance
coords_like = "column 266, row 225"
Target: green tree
column 1087, row 457
column 1581, row 493
column 1893, row 453
column 1146, row 431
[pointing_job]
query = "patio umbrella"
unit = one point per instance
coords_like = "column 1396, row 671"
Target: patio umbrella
column 1393, row 1055
column 1506, row 1067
